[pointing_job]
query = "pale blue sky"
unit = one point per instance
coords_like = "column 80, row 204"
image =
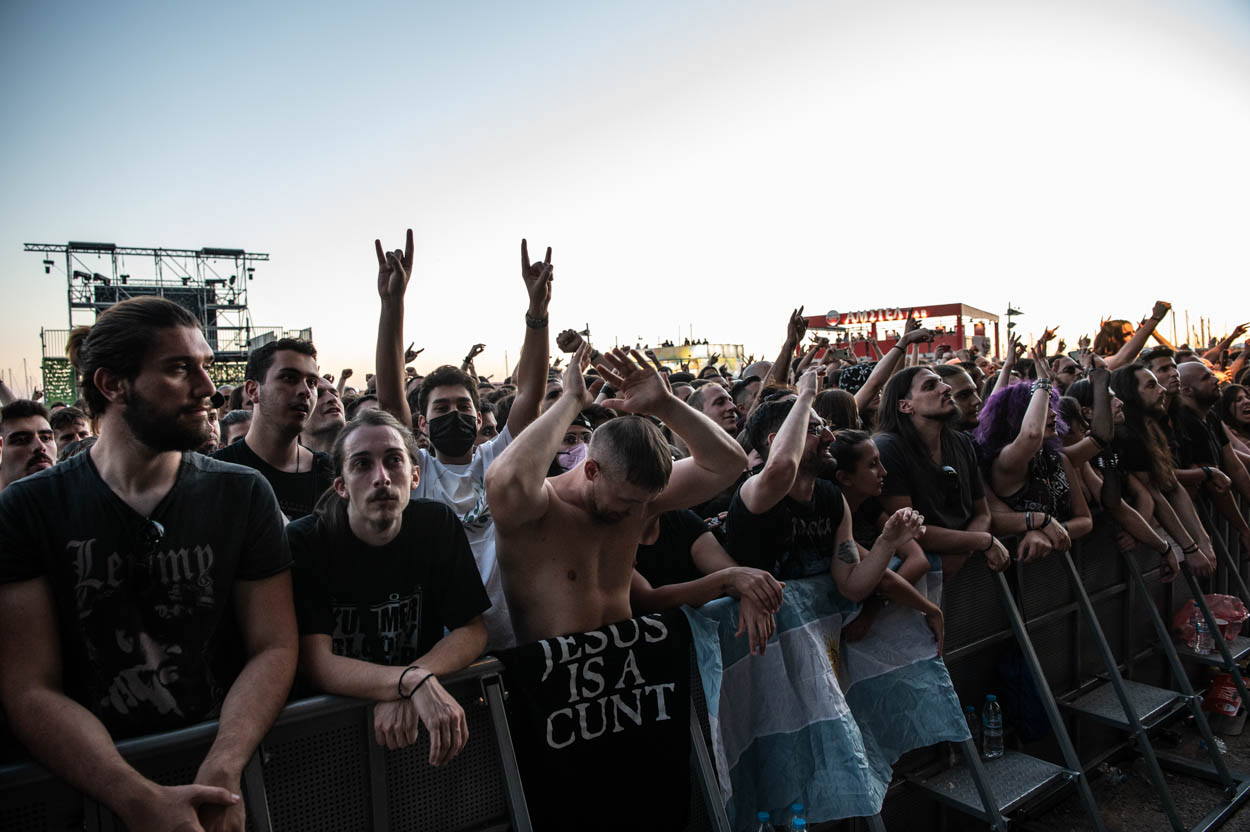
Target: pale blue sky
column 711, row 164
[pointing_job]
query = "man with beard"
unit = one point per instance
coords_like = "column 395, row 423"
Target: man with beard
column 933, row 468
column 128, row 573
column 378, row 579
column 326, row 419
column 281, row 381
column 1204, row 445
column 27, row 445
column 567, row 544
column 448, row 413
column 1143, row 450
column 792, row 520
column 964, row 394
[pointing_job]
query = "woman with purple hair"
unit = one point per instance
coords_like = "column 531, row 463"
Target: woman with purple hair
column 1021, row 451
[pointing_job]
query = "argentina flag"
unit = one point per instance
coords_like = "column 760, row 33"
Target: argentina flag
column 783, row 731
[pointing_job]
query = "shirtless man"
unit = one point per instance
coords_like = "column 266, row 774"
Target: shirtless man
column 567, row 544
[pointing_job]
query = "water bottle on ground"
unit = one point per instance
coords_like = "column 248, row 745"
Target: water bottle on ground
column 974, row 724
column 1203, row 642
column 799, row 825
column 991, row 728
column 763, row 818
column 797, row 821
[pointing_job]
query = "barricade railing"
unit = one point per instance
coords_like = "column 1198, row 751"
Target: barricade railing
column 320, row 768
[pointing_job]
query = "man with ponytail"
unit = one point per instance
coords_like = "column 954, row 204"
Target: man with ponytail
column 144, row 587
column 378, row 578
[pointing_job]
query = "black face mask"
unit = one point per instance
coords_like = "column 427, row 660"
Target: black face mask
column 453, row 433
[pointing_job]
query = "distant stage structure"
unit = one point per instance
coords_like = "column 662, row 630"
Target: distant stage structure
column 210, row 282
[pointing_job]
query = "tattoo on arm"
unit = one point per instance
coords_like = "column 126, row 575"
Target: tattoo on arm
column 848, row 552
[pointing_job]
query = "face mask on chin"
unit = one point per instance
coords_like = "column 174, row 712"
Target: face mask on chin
column 453, row 433
column 570, row 459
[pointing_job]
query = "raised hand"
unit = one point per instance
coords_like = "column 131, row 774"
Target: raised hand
column 1061, row 347
column 1013, row 350
column 916, row 335
column 1040, row 365
column 809, row 382
column 574, row 380
column 912, row 322
column 569, row 340
column 346, row 374
column 797, row 327
column 638, row 386
column 712, row 360
column 476, row 350
column 904, row 525
column 410, row 354
column 37, row 395
column 1160, row 310
column 394, row 270
column 537, row 277
column 1084, row 342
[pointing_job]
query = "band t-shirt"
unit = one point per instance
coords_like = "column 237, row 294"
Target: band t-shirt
column 667, row 560
column 297, row 492
column 147, row 634
column 386, row 604
column 945, row 498
column 792, row 539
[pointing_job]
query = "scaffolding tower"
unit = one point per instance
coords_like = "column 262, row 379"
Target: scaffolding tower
column 211, row 283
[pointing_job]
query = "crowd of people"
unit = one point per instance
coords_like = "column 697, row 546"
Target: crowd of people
column 173, row 551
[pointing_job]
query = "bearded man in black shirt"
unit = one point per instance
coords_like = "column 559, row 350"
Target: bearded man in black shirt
column 378, row 577
column 281, row 381
column 1205, row 446
column 933, row 468
column 123, row 572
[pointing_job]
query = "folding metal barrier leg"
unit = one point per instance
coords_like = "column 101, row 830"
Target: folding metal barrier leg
column 1223, row 550
column 1117, row 683
column 1048, row 703
column 973, row 758
column 708, row 784
column 255, row 800
column 518, row 809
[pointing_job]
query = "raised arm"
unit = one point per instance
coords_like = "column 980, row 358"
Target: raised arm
column 888, row 364
column 394, row 272
column 1213, row 354
column 779, row 372
column 516, row 481
column 856, row 579
column 767, row 488
column 1128, row 353
column 715, row 460
column 531, row 370
column 1012, row 465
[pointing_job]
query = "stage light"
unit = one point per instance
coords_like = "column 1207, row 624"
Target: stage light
column 125, row 278
column 215, row 281
column 47, row 266
column 186, row 281
column 99, row 278
column 83, row 276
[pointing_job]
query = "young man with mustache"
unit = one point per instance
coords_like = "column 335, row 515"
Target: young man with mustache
column 26, row 441
column 281, row 381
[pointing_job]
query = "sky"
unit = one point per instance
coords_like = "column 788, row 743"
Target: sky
column 702, row 166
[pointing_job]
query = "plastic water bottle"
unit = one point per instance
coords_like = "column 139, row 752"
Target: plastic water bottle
column 797, row 821
column 798, row 825
column 991, row 728
column 764, row 820
column 974, row 724
column 1203, row 643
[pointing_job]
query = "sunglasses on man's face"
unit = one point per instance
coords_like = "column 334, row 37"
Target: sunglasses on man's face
column 149, row 536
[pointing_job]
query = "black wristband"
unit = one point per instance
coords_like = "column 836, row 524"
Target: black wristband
column 1193, row 547
column 399, row 686
column 988, row 546
column 535, row 323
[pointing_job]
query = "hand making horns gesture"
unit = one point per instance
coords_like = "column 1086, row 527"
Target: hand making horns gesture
column 638, row 386
column 394, row 269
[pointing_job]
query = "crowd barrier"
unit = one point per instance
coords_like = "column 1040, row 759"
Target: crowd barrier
column 319, row 767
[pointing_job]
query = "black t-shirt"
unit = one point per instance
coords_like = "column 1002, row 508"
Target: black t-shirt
column 148, row 642
column 1201, row 438
column 791, row 539
column 297, row 493
column 864, row 522
column 667, row 560
column 386, row 604
column 944, row 499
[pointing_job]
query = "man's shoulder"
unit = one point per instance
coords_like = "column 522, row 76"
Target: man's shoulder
column 71, row 473
column 237, row 452
column 887, row 441
column 215, row 466
column 424, row 511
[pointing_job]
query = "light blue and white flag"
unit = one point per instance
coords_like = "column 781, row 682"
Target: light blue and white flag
column 899, row 691
column 782, row 730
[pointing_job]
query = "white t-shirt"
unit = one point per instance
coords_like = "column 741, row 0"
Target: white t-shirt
column 463, row 488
